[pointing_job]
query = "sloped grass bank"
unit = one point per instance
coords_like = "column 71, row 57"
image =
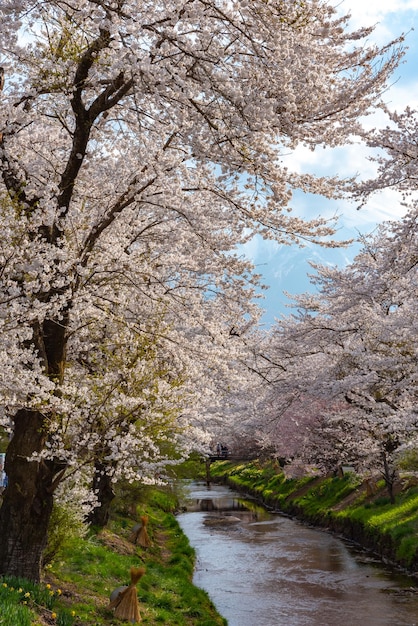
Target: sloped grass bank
column 344, row 505
column 78, row 583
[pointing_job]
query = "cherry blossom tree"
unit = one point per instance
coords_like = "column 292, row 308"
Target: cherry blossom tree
column 353, row 343
column 141, row 143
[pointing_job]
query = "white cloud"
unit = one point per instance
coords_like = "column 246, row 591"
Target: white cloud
column 403, row 93
column 376, row 9
column 379, row 12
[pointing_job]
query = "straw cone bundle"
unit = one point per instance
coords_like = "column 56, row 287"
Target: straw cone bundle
column 143, row 539
column 126, row 602
column 139, row 534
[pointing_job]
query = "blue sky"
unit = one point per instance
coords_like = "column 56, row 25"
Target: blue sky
column 285, row 268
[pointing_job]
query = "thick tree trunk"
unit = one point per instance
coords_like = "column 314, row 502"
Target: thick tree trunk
column 102, row 486
column 27, row 500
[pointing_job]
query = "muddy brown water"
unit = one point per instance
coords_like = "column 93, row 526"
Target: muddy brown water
column 266, row 569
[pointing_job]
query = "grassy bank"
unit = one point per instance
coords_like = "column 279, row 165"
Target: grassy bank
column 357, row 510
column 79, row 581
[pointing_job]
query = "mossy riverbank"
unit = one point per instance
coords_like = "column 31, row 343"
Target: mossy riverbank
column 356, row 510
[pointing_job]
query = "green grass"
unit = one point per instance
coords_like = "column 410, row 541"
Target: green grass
column 252, row 475
column 22, row 601
column 326, row 494
column 265, row 480
column 13, row 609
column 399, row 521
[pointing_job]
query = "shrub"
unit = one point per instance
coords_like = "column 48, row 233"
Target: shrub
column 64, row 526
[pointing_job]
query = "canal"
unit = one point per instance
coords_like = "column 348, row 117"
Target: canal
column 266, row 569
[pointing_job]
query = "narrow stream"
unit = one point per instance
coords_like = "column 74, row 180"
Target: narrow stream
column 265, row 569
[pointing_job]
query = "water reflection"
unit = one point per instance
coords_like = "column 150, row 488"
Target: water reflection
column 270, row 570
